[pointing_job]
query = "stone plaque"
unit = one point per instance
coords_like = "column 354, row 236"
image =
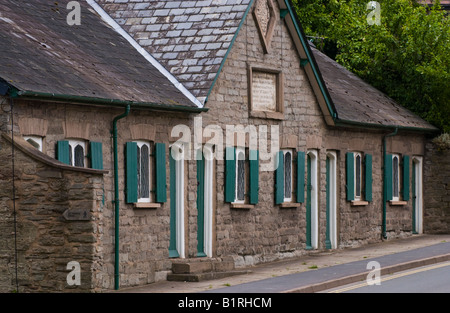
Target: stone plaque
column 264, row 91
column 77, row 215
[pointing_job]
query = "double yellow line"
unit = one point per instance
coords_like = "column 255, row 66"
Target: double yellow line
column 386, row 278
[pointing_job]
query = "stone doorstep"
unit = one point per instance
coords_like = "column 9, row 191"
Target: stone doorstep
column 200, row 269
column 204, row 276
column 202, row 265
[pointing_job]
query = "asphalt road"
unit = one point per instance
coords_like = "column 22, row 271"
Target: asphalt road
column 433, row 278
column 294, row 281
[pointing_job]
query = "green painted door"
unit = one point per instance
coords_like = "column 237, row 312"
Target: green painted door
column 328, row 202
column 308, row 203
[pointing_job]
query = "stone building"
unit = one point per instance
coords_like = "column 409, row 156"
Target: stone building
column 282, row 150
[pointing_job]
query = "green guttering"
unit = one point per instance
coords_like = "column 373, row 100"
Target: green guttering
column 229, row 49
column 383, row 222
column 312, row 61
column 354, row 124
column 116, row 197
column 101, row 101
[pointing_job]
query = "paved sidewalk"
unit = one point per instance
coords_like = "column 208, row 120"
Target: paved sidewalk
column 319, row 269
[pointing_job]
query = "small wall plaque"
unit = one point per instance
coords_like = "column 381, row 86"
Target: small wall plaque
column 77, row 215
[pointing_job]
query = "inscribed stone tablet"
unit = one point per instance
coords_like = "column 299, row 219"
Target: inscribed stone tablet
column 264, row 91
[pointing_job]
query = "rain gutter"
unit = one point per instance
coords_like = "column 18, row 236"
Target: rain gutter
column 109, row 102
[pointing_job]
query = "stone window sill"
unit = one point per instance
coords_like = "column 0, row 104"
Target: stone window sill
column 290, row 205
column 242, row 206
column 392, row 202
column 359, row 203
column 146, row 205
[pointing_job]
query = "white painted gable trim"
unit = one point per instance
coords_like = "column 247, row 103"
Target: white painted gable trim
column 108, row 19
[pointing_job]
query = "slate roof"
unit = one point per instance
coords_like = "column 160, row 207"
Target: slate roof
column 190, row 37
column 358, row 102
column 41, row 53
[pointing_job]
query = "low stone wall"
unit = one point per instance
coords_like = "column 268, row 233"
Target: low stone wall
column 55, row 222
column 437, row 188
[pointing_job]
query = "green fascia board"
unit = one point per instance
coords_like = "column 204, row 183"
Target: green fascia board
column 244, row 17
column 310, row 58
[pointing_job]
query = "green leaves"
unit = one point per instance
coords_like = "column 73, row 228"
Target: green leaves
column 407, row 56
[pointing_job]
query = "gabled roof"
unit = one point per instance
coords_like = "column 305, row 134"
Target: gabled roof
column 42, row 56
column 358, row 103
column 190, row 38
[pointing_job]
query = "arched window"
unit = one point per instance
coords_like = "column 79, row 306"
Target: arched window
column 395, row 178
column 357, row 176
column 143, row 169
column 35, row 141
column 240, row 175
column 77, row 153
column 287, row 175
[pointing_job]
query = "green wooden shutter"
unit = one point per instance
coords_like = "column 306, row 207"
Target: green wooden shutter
column 63, row 151
column 350, row 169
column 96, row 155
column 254, row 176
column 131, row 172
column 160, row 173
column 406, row 178
column 230, row 174
column 388, row 176
column 279, row 179
column 200, row 204
column 368, row 178
column 300, row 176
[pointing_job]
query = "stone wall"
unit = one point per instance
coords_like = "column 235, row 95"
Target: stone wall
column 267, row 231
column 144, row 233
column 48, row 231
column 437, row 189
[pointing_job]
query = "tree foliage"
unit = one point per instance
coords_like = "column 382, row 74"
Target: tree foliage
column 407, row 56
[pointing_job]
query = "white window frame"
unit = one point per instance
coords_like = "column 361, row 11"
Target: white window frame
column 314, row 198
column 73, row 143
column 356, row 191
column 332, row 156
column 418, row 168
column 396, row 197
column 286, row 151
column 37, row 139
column 140, row 144
column 240, row 151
